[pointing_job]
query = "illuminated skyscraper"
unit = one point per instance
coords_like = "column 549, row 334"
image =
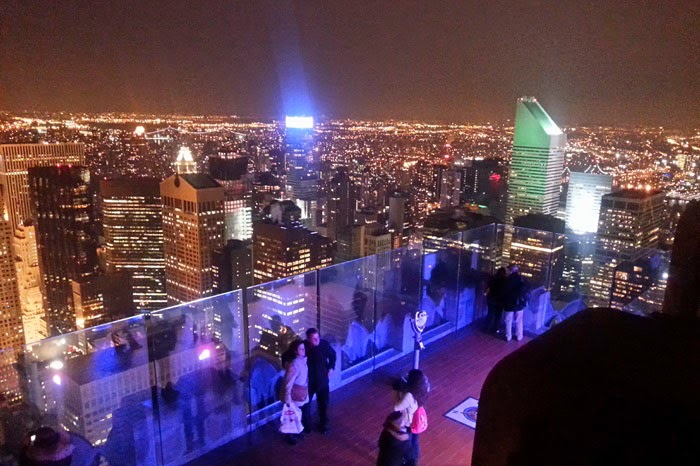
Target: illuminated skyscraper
column 102, row 298
column 193, row 227
column 28, row 277
column 586, row 191
column 15, row 161
column 266, row 188
column 537, row 162
column 283, row 248
column 632, row 278
column 133, row 231
column 232, row 267
column 676, row 203
column 65, row 236
column 538, row 249
column 341, row 206
column 448, row 186
column 11, row 335
column 231, row 172
column 629, row 226
column 301, row 164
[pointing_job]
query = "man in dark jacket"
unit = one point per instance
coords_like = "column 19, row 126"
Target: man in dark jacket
column 516, row 295
column 320, row 357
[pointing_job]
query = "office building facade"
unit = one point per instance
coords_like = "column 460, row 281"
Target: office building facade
column 629, row 226
column 586, row 191
column 133, row 232
column 193, row 227
column 537, row 162
column 66, row 240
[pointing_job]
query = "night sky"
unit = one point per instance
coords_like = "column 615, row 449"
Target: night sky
column 589, row 62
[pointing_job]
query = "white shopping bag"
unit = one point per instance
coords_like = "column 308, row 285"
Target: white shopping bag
column 290, row 422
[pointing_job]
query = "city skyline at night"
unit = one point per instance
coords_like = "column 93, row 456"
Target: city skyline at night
column 188, row 189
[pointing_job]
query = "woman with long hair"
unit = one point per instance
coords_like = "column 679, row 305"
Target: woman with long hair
column 296, row 383
column 413, row 396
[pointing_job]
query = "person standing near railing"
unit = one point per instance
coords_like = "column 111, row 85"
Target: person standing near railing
column 495, row 300
column 516, row 294
column 296, row 393
column 321, row 358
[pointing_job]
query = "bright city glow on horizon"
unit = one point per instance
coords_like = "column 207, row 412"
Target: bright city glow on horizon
column 299, row 122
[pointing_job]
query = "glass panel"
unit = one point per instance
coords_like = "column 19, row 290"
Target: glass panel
column 478, row 262
column 639, row 287
column 346, row 294
column 540, row 257
column 96, row 383
column 198, row 352
column 398, row 295
column 278, row 313
column 440, row 285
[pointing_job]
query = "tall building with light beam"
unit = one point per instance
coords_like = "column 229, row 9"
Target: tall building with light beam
column 537, row 162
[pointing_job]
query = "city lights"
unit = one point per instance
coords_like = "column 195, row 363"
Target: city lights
column 188, row 190
column 204, row 354
column 56, row 365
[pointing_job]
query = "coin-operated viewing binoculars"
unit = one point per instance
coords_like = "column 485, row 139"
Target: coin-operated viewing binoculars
column 418, row 321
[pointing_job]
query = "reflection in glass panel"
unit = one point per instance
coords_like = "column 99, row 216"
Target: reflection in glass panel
column 198, row 354
column 96, row 383
column 346, row 293
column 398, row 295
column 479, row 258
column 278, row 313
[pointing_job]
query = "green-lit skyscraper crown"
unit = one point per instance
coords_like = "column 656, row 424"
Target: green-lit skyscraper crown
column 537, row 163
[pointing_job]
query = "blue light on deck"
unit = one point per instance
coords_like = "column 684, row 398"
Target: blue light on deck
column 299, row 122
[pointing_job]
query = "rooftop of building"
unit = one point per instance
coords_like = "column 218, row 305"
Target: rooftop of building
column 456, row 219
column 199, row 180
column 130, row 186
column 634, row 193
column 537, row 221
column 539, row 114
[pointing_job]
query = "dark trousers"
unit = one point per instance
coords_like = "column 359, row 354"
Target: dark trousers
column 414, row 452
column 494, row 317
column 322, row 399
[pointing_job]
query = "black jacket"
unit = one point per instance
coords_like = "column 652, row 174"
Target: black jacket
column 392, row 451
column 516, row 293
column 320, row 360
